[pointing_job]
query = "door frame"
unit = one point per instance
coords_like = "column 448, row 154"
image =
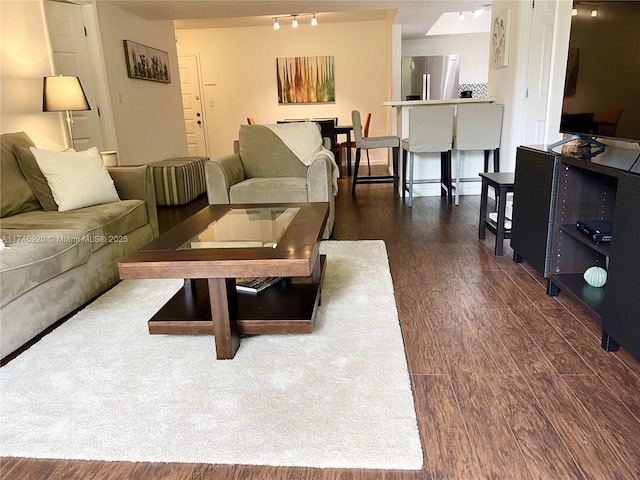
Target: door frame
column 99, row 73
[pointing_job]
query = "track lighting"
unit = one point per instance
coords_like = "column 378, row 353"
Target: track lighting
column 461, row 16
column 294, row 22
column 477, row 12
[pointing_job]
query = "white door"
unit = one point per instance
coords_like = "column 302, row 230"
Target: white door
column 192, row 105
column 539, row 71
column 71, row 57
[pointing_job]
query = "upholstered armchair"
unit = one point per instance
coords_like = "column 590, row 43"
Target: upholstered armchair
column 282, row 163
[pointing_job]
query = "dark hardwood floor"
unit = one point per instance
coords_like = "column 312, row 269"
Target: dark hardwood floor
column 508, row 382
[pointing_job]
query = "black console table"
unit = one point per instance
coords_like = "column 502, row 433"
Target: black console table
column 551, row 193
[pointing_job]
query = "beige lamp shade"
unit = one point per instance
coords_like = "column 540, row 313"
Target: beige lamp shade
column 63, row 93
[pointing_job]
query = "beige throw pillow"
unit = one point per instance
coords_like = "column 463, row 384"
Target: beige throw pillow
column 76, row 179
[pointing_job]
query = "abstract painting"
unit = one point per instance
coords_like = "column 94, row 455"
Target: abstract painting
column 305, row 79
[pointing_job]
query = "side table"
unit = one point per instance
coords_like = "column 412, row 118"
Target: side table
column 502, row 182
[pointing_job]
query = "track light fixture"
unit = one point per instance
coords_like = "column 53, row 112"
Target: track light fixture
column 461, row 16
column 294, row 22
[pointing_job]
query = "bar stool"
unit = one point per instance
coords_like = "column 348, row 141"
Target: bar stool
column 478, row 127
column 368, row 143
column 503, row 184
column 350, row 145
column 430, row 131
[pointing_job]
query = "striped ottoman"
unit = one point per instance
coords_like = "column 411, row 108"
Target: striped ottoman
column 178, row 180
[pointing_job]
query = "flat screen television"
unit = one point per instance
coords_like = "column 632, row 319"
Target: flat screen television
column 602, row 84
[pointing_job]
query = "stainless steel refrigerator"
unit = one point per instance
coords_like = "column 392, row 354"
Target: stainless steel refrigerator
column 430, row 78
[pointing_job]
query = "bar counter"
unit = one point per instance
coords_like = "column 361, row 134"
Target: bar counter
column 426, row 169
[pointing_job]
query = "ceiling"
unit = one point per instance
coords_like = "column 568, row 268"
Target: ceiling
column 415, row 16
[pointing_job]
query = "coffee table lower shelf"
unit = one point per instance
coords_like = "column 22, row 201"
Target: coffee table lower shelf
column 289, row 306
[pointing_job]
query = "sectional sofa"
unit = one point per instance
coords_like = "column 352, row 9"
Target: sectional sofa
column 53, row 262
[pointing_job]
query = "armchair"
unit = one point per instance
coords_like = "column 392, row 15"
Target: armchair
column 282, row 163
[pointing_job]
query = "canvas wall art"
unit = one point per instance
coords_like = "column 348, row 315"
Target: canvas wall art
column 500, row 31
column 146, row 63
column 306, row 79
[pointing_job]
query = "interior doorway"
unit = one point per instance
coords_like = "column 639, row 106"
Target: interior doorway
column 541, row 44
column 71, row 57
column 192, row 105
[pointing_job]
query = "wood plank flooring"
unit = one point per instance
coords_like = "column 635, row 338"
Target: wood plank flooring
column 508, row 382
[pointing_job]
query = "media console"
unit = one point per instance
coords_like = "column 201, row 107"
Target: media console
column 552, row 192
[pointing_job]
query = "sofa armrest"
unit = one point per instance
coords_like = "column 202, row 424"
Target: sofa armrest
column 136, row 183
column 319, row 183
column 221, row 174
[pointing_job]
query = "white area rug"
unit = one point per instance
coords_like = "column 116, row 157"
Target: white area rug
column 100, row 387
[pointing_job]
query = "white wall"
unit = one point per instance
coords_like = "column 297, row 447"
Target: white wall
column 239, row 74
column 508, row 84
column 26, row 59
column 148, row 116
column 473, row 49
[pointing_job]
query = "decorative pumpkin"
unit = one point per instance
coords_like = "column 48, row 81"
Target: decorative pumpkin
column 595, row 276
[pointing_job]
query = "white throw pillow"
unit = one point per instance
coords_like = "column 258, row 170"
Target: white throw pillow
column 76, row 179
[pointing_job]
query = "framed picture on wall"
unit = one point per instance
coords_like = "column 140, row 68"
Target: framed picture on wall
column 305, row 79
column 500, row 32
column 146, row 63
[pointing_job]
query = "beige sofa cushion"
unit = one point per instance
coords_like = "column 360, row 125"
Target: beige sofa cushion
column 17, row 196
column 35, row 256
column 99, row 224
column 76, row 179
column 35, row 178
column 270, row 190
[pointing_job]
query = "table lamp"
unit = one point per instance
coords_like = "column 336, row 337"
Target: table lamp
column 64, row 94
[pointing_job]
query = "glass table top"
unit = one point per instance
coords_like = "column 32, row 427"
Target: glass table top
column 258, row 227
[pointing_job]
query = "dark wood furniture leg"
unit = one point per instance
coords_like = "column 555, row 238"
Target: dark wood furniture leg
column 348, row 133
column 396, row 173
column 355, row 171
column 404, row 173
column 224, row 314
column 502, row 205
column 482, row 229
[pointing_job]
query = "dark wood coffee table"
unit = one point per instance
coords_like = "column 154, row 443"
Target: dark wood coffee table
column 223, row 242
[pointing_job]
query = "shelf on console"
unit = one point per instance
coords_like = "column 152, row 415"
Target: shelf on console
column 571, row 230
column 575, row 286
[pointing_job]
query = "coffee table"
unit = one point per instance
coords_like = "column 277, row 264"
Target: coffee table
column 223, row 242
